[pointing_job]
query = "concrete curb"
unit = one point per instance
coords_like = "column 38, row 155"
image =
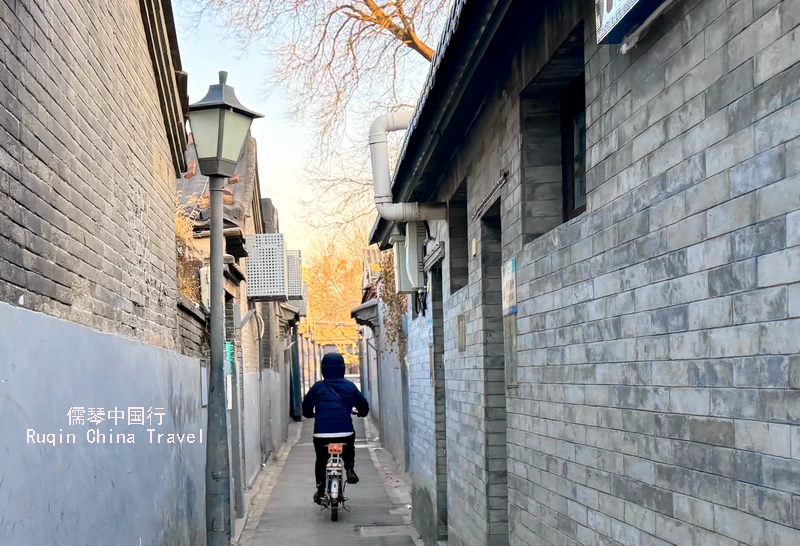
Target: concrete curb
column 259, row 494
column 394, row 482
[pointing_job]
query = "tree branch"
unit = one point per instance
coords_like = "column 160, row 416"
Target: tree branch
column 404, row 34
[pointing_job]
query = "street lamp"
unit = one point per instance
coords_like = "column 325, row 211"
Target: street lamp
column 219, row 128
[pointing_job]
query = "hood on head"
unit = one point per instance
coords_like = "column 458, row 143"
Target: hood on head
column 333, row 366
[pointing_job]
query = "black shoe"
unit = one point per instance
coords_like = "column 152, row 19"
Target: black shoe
column 352, row 478
column 318, row 497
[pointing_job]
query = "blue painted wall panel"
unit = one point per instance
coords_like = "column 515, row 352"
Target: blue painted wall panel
column 88, row 492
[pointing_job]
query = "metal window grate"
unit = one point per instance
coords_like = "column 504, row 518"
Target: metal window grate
column 266, row 267
column 294, row 277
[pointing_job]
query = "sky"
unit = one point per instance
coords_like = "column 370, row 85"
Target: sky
column 281, row 144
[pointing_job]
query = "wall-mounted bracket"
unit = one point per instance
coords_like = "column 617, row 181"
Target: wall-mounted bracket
column 237, row 314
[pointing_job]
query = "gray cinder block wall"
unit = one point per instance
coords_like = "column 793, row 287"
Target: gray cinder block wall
column 393, row 393
column 427, row 415
column 421, row 433
column 87, row 184
column 659, row 331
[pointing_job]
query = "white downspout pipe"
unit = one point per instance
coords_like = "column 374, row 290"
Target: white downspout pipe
column 379, row 153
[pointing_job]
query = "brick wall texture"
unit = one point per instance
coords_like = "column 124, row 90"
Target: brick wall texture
column 658, row 332
column 87, row 187
column 427, row 415
column 191, row 329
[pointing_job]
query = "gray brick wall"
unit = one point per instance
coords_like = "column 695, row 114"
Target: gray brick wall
column 472, row 498
column 655, row 403
column 494, row 401
column 422, row 424
column 659, row 332
column 541, row 166
column 191, row 328
column 439, row 400
column 87, row 187
column 427, row 416
column 477, row 497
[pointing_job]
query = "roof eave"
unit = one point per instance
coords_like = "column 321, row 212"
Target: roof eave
column 466, row 38
column 366, row 314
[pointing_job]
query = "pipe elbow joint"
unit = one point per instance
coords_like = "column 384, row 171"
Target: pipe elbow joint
column 398, row 121
column 387, row 123
column 412, row 212
column 378, row 126
column 378, row 130
column 395, row 212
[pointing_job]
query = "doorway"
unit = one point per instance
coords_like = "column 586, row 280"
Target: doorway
column 494, row 387
column 439, row 399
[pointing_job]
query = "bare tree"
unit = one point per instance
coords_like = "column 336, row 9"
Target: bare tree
column 336, row 58
column 342, row 194
column 333, row 271
column 339, row 63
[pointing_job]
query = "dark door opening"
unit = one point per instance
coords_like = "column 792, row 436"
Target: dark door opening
column 439, row 400
column 494, row 374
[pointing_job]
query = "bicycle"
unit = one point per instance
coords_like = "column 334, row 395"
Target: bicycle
column 334, row 482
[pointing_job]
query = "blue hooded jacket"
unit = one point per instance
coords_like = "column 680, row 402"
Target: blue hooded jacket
column 332, row 413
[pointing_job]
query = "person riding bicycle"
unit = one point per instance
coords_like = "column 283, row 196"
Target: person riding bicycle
column 330, row 403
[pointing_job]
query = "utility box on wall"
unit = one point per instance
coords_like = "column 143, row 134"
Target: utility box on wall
column 415, row 254
column 267, row 268
column 205, row 286
column 402, row 282
column 294, row 274
column 409, row 271
column 409, row 258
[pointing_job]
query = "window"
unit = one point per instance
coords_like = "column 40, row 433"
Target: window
column 553, row 127
column 573, row 145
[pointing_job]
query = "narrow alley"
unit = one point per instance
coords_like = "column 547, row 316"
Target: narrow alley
column 544, row 255
column 283, row 512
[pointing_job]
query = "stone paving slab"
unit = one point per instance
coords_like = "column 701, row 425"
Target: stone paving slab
column 290, row 516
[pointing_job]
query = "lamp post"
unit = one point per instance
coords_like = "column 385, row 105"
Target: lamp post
column 220, row 125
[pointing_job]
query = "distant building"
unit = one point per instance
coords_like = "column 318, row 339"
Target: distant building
column 383, row 364
column 260, row 348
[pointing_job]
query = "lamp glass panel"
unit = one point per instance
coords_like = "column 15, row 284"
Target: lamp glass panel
column 236, row 127
column 205, row 132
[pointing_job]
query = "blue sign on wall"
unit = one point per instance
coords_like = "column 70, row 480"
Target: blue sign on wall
column 616, row 18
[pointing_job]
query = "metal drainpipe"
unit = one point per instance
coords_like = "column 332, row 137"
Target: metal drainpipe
column 262, row 446
column 218, row 481
column 297, row 395
column 379, row 155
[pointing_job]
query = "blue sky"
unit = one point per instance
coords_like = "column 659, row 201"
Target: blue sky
column 281, row 144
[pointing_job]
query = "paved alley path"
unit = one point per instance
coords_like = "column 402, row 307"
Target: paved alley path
column 290, row 517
